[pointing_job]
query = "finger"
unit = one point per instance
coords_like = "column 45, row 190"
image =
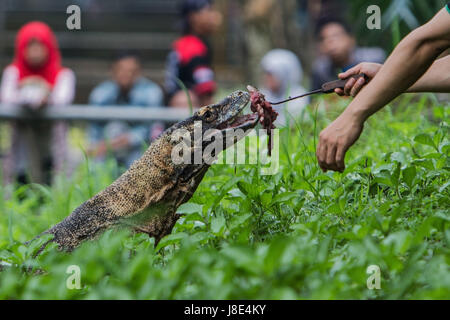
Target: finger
column 339, row 91
column 331, row 157
column 348, row 86
column 345, row 74
column 321, row 155
column 357, row 87
column 349, row 72
column 340, row 155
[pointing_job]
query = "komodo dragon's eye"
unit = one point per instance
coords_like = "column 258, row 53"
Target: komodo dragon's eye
column 208, row 115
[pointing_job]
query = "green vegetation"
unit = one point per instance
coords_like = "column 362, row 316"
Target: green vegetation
column 300, row 233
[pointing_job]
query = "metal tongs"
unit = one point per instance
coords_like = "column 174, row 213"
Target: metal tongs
column 327, row 87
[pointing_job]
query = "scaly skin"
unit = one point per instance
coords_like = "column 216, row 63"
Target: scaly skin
column 148, row 194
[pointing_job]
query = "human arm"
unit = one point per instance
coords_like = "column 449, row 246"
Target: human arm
column 407, row 63
column 32, row 91
column 433, row 80
column 436, row 79
column 9, row 87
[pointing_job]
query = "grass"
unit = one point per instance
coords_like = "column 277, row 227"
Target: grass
column 298, row 234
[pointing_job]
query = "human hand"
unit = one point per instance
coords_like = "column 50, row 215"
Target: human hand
column 335, row 140
column 353, row 86
column 34, row 92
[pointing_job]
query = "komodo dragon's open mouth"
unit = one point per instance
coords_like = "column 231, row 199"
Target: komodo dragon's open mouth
column 228, row 113
column 240, row 121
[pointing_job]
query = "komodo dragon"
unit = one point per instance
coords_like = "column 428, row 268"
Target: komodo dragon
column 148, row 194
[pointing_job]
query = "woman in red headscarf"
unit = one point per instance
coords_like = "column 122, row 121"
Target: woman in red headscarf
column 36, row 79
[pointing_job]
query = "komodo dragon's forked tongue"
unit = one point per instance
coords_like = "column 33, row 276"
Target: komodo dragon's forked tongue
column 148, row 194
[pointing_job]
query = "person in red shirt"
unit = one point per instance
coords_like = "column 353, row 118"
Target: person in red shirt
column 190, row 59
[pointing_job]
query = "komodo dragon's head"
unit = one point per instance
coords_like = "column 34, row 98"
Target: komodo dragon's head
column 188, row 148
column 148, row 194
column 225, row 115
column 198, row 140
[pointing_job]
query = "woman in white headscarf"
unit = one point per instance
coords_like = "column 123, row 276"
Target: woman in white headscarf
column 282, row 76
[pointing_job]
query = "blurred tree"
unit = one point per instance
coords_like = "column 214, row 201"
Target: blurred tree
column 399, row 17
column 269, row 24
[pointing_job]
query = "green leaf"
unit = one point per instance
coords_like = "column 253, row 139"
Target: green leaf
column 194, row 217
column 189, row 208
column 239, row 219
column 224, row 189
column 396, row 174
column 425, row 163
column 171, row 239
column 409, row 173
column 425, row 139
column 242, row 257
column 445, row 147
column 285, row 197
column 266, row 199
column 274, row 254
column 400, row 241
column 218, row 224
column 247, row 189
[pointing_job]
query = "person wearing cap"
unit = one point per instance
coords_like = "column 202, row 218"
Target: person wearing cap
column 413, row 66
column 190, row 59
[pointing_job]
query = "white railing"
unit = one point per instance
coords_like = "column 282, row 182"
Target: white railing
column 93, row 113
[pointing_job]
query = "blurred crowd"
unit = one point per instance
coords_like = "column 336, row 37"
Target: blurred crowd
column 36, row 78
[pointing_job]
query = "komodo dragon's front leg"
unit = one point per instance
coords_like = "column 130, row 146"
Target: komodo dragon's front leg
column 144, row 189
